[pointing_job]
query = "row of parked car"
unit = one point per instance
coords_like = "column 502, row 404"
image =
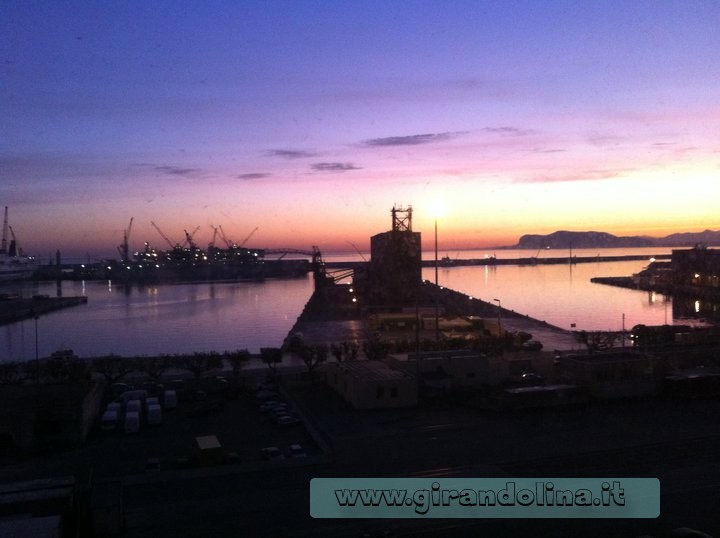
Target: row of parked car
column 134, row 407
column 270, row 402
column 295, row 450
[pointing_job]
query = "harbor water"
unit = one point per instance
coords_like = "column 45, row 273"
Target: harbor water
column 202, row 317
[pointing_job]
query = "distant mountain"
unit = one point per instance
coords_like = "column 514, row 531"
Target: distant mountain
column 563, row 239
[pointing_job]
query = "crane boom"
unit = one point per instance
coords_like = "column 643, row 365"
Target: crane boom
column 224, row 237
column 162, row 235
column 248, row 237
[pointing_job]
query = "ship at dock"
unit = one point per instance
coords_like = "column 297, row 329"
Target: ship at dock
column 186, row 262
column 14, row 265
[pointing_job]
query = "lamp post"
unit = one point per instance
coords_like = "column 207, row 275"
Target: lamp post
column 499, row 313
column 437, row 288
column 37, row 353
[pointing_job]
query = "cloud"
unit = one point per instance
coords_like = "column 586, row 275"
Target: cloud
column 505, row 130
column 290, row 153
column 410, row 140
column 178, row 171
column 253, row 175
column 580, row 175
column 334, row 167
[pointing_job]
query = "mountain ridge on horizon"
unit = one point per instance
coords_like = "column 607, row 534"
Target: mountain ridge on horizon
column 563, row 239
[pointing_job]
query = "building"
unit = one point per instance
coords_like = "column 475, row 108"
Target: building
column 613, row 375
column 372, row 384
column 395, row 270
column 698, row 267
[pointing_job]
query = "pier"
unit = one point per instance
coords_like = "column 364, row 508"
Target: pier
column 513, row 261
column 14, row 309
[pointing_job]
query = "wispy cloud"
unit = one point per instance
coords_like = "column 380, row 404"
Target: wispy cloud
column 579, row 175
column 290, row 153
column 510, row 131
column 410, row 140
column 334, row 167
column 178, row 171
column 253, row 175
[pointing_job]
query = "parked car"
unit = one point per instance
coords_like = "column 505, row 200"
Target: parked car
column 170, row 399
column 286, row 420
column 269, row 405
column 296, row 450
column 271, row 453
column 109, row 420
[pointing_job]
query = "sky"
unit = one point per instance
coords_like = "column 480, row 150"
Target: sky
column 310, row 120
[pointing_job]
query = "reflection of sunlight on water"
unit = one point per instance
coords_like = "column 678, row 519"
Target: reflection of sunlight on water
column 554, row 294
column 165, row 319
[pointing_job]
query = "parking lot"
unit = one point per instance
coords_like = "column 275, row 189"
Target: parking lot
column 234, row 417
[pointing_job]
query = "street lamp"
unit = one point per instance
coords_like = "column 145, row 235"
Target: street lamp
column 437, row 289
column 499, row 313
column 37, row 354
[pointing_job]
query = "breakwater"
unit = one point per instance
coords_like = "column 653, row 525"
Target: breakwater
column 14, row 309
column 445, row 262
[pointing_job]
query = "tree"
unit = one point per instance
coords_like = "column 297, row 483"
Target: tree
column 272, row 356
column 199, row 364
column 66, row 366
column 155, row 367
column 351, row 350
column 314, row 355
column 237, row 360
column 337, row 352
column 112, row 367
column 375, row 350
column 10, row 373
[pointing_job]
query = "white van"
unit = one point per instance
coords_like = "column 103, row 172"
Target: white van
column 170, row 399
column 132, row 422
column 109, row 420
column 154, row 415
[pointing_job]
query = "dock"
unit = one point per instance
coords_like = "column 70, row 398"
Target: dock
column 514, row 261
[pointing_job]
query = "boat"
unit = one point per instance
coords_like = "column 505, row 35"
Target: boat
column 14, row 265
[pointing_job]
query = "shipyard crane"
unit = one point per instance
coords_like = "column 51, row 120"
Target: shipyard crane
column 164, row 236
column 211, row 245
column 15, row 249
column 124, row 249
column 3, row 246
column 225, row 238
column 189, row 238
column 357, row 250
column 248, row 237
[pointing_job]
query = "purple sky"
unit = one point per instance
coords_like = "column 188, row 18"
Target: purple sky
column 309, row 120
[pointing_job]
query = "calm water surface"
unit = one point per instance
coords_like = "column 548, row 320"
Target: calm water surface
column 185, row 318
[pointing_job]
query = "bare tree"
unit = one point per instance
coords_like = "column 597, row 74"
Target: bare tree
column 155, row 367
column 10, row 373
column 237, row 360
column 112, row 367
column 199, row 364
column 314, row 355
column 272, row 356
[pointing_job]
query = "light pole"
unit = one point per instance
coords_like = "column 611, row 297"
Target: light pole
column 437, row 289
column 499, row 313
column 37, row 354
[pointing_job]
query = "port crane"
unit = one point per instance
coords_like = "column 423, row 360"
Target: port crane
column 165, row 237
column 15, row 249
column 124, row 249
column 211, row 245
column 189, row 238
column 357, row 250
column 248, row 237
